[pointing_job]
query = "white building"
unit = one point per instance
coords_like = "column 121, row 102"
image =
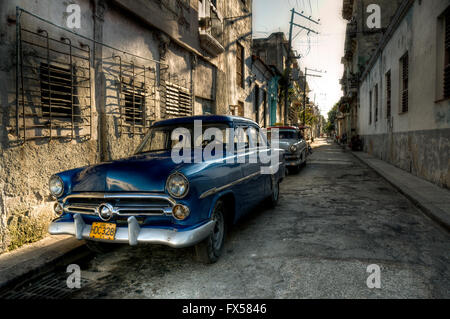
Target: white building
column 404, row 106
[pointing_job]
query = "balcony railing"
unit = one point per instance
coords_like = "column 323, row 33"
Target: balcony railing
column 210, row 28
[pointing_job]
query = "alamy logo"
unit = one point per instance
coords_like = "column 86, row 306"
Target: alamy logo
column 374, row 279
column 74, row 279
column 74, row 16
column 240, row 145
column 374, row 19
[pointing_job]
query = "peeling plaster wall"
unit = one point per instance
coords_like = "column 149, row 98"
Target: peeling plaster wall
column 237, row 30
column 25, row 169
column 417, row 141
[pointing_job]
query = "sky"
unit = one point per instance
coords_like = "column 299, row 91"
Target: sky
column 321, row 52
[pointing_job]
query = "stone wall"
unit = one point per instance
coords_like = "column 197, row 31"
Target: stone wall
column 425, row 154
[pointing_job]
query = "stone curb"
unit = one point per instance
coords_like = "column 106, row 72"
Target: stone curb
column 425, row 204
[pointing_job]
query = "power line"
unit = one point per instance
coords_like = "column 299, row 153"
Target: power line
column 291, row 27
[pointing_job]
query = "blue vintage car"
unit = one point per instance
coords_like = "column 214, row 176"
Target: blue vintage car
column 151, row 198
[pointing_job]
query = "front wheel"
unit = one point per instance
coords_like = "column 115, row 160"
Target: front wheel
column 210, row 249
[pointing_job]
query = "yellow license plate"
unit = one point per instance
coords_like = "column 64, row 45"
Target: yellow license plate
column 104, row 231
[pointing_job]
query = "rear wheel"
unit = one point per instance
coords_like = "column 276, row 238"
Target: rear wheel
column 210, row 249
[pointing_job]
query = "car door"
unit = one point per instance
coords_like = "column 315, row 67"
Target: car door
column 262, row 181
column 249, row 189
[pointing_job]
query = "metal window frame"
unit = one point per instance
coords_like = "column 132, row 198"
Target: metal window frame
column 20, row 80
column 146, row 77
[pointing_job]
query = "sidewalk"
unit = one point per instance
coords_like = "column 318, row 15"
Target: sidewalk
column 433, row 200
column 29, row 260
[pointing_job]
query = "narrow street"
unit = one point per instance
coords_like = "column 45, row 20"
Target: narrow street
column 335, row 218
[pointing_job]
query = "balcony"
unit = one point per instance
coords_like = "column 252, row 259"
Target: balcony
column 210, row 28
column 352, row 29
column 353, row 82
column 347, row 9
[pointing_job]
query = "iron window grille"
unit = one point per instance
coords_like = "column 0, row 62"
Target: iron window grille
column 56, row 91
column 53, row 87
column 137, row 97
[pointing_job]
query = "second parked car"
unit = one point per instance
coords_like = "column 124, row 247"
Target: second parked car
column 292, row 142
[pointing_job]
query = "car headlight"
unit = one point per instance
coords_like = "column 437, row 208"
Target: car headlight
column 293, row 148
column 177, row 185
column 56, row 186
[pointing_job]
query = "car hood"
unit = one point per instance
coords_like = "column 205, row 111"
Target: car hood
column 285, row 144
column 142, row 173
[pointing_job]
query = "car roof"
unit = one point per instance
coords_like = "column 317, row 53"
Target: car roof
column 283, row 128
column 205, row 118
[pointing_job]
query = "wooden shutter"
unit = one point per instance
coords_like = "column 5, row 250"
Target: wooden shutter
column 239, row 65
column 178, row 100
column 447, row 56
column 388, row 94
column 405, row 75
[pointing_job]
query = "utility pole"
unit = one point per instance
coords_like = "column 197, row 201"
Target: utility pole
column 304, row 90
column 288, row 82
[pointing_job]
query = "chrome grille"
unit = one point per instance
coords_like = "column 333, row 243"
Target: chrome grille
column 124, row 204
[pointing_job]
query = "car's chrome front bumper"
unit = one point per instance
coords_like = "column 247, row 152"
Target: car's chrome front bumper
column 134, row 234
column 290, row 163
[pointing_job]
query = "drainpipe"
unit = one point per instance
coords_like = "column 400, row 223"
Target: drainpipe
column 100, row 85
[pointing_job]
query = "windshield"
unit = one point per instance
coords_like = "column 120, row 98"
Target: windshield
column 287, row 135
column 160, row 139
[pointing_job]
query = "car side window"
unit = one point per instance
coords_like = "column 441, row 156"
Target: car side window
column 253, row 137
column 241, row 139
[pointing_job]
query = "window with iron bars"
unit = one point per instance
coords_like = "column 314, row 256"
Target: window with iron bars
column 404, row 67
column 56, row 91
column 137, row 96
column 53, row 87
column 134, row 105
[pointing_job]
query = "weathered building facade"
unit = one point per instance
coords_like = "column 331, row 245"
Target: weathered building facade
column 404, row 111
column 274, row 51
column 75, row 97
column 363, row 35
column 263, row 76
